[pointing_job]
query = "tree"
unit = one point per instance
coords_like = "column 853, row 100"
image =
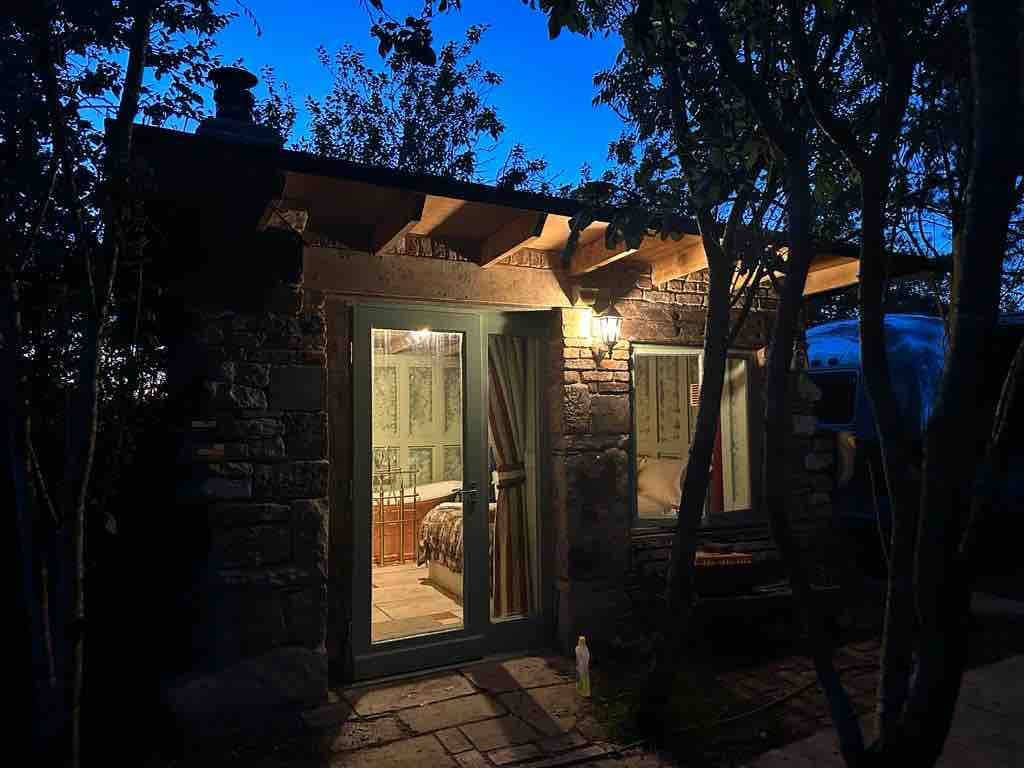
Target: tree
column 423, row 116
column 701, row 154
column 927, row 607
column 69, row 227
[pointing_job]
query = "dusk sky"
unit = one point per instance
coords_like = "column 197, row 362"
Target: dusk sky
column 545, row 100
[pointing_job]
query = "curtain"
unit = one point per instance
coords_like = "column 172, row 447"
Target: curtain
column 508, row 417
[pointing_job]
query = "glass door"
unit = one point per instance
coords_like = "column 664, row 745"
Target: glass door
column 420, row 495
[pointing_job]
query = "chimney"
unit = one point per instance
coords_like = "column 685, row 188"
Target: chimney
column 235, row 103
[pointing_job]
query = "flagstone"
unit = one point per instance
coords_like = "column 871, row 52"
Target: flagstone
column 444, row 714
column 500, row 732
column 389, row 697
column 356, row 734
column 418, row 751
column 551, row 710
column 510, row 675
column 516, row 754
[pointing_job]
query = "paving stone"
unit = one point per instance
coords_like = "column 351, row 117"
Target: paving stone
column 645, row 760
column 500, row 732
column 389, row 697
column 453, row 740
column 444, row 714
column 357, row 734
column 528, row 672
column 591, row 728
column 562, row 742
column 418, row 751
column 472, row 759
column 592, row 751
column 332, row 714
column 510, row 755
column 551, row 710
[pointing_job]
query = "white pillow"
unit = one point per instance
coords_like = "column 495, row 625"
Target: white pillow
column 659, row 479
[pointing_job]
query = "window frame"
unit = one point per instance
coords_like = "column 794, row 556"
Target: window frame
column 652, row 349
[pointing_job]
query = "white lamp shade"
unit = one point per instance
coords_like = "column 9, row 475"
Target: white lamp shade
column 609, row 324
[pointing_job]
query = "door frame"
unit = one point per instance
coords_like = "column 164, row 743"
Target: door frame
column 537, row 631
column 479, row 635
column 435, row 649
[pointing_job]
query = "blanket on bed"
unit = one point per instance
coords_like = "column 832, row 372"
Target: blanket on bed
column 441, row 536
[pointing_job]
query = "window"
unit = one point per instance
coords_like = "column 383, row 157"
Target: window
column 666, row 394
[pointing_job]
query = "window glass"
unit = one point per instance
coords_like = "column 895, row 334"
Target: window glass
column 667, row 391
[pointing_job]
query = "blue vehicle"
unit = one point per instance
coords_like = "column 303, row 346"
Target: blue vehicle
column 916, row 349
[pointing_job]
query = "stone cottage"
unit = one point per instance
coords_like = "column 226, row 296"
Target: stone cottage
column 413, row 433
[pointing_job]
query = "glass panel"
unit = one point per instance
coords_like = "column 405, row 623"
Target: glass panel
column 416, row 537
column 512, row 419
column 734, row 448
column 664, row 419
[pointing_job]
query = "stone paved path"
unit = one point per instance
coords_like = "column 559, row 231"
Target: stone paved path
column 487, row 714
column 988, row 729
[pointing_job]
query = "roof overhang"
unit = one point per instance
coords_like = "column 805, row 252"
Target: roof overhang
column 371, row 209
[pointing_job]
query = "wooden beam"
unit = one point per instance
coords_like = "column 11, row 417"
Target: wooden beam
column 521, row 232
column 398, row 222
column 409, row 278
column 685, row 259
column 832, row 277
column 594, row 255
column 285, row 214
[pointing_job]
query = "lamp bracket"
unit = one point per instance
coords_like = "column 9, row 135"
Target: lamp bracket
column 585, row 296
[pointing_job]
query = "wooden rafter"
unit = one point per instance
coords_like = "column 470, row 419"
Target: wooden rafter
column 398, row 222
column 521, row 232
column 594, row 255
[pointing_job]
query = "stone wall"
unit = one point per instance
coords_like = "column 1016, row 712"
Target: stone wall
column 253, row 463
column 606, row 569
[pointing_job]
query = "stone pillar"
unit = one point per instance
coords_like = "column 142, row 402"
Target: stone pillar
column 590, row 425
column 253, row 464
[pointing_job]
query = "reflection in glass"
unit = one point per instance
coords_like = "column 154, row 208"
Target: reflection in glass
column 416, row 539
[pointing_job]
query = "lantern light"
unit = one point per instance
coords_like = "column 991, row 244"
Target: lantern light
column 608, row 325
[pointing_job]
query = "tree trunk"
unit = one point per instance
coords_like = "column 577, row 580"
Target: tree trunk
column 959, row 426
column 694, row 483
column 900, row 475
column 31, row 681
column 777, row 430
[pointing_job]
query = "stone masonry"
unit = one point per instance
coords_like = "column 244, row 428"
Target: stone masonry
column 605, row 567
column 253, row 462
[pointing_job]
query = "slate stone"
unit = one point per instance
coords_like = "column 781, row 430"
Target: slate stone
column 390, row 697
column 444, row 714
column 420, row 751
column 499, row 732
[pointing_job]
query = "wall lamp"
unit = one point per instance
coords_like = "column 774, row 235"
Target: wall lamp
column 603, row 327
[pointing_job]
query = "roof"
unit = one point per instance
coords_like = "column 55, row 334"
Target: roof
column 371, row 208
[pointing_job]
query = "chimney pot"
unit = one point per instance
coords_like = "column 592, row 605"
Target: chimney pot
column 235, row 103
column 231, row 93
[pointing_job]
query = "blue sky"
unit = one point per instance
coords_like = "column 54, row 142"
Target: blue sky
column 545, row 100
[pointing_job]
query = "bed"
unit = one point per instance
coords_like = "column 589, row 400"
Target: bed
column 397, row 517
column 440, row 545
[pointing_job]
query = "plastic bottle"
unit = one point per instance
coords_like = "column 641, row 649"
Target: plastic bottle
column 582, row 667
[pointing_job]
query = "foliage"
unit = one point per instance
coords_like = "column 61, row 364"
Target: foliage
column 81, row 359
column 414, row 116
